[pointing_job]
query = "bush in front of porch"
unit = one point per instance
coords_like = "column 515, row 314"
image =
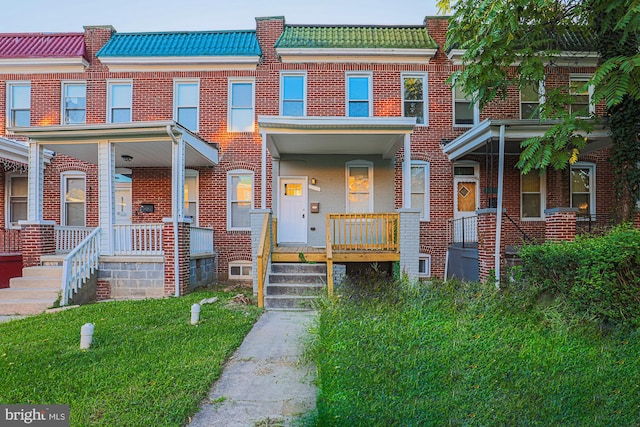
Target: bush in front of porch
column 147, row 365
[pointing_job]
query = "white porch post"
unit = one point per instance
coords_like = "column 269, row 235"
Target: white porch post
column 35, row 183
column 263, row 180
column 406, row 173
column 177, row 175
column 106, row 196
column 499, row 202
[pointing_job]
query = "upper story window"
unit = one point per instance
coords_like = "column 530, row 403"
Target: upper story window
column 119, row 102
column 18, row 104
column 16, row 208
column 239, row 199
column 359, row 95
column 293, row 94
column 241, row 105
column 74, row 103
column 532, row 192
column 465, row 112
column 414, row 97
column 531, row 96
column 191, row 193
column 73, row 199
column 359, row 186
column 583, row 191
column 581, row 93
column 420, row 196
column 186, row 101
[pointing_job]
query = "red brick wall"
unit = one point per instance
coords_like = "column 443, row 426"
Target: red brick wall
column 168, row 236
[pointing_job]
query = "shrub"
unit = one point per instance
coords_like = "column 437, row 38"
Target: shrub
column 599, row 276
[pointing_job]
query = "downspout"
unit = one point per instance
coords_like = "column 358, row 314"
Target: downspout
column 176, row 245
column 499, row 204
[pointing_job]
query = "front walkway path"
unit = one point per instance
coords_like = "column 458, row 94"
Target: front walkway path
column 265, row 380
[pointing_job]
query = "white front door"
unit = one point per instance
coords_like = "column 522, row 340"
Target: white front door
column 292, row 215
column 123, row 204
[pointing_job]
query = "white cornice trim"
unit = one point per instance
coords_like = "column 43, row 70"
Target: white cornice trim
column 179, row 63
column 562, row 59
column 42, row 65
column 376, row 55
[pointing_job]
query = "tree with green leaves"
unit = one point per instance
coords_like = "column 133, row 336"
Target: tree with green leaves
column 509, row 43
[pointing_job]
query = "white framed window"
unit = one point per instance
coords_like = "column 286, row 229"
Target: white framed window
column 465, row 112
column 359, row 94
column 424, row 266
column 359, row 177
column 191, row 194
column 240, row 270
column 583, row 188
column 531, row 96
column 414, row 97
column 18, row 104
column 420, row 187
column 582, row 95
column 532, row 196
column 73, row 199
column 119, row 101
column 74, row 103
column 186, row 103
column 293, row 93
column 16, row 204
column 241, row 105
column 239, row 199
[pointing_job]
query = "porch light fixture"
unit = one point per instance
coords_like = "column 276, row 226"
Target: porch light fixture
column 126, row 157
column 313, row 181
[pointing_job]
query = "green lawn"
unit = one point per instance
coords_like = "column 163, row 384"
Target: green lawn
column 466, row 355
column 148, row 366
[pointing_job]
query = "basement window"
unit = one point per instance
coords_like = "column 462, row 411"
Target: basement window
column 240, row 270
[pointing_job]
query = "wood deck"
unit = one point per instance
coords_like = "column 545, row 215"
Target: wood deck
column 314, row 254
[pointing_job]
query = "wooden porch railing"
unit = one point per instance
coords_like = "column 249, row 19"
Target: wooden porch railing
column 79, row 264
column 137, row 239
column 363, row 232
column 201, row 240
column 68, row 238
column 264, row 252
column 9, row 241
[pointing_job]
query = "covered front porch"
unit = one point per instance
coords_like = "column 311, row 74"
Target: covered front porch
column 166, row 245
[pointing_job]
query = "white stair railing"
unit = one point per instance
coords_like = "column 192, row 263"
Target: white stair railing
column 79, row 264
column 201, row 240
column 68, row 238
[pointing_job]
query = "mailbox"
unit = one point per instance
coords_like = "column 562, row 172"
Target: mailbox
column 315, row 207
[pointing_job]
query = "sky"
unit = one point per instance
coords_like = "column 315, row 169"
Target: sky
column 20, row 16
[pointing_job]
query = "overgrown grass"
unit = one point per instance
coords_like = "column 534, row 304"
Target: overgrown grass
column 467, row 355
column 148, row 366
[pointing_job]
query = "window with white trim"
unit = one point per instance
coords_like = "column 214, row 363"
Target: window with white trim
column 119, row 101
column 239, row 199
column 531, row 96
column 293, row 94
column 359, row 185
column 414, row 97
column 241, row 105
column 581, row 94
column 74, row 103
column 191, row 192
column 18, row 104
column 583, row 188
column 240, row 270
column 465, row 112
column 420, row 186
column 532, row 196
column 16, row 207
column 186, row 103
column 73, row 199
column 424, row 266
column 359, row 95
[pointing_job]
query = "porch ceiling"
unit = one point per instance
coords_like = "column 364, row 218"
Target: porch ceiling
column 334, row 135
column 476, row 139
column 148, row 144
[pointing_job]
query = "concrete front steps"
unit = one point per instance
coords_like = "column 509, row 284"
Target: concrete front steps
column 38, row 289
column 293, row 286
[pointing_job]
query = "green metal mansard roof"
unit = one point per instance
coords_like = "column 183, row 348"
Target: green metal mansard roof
column 355, row 37
column 197, row 43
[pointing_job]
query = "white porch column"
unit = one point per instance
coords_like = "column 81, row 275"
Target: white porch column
column 263, row 180
column 106, row 195
column 35, row 182
column 177, row 179
column 406, row 173
column 499, row 207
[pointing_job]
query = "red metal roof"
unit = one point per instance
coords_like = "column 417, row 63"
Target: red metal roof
column 42, row 45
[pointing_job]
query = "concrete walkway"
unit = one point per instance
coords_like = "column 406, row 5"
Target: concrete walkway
column 264, row 382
